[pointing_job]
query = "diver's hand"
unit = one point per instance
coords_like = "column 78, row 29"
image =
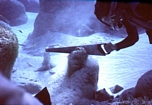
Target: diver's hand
column 109, row 47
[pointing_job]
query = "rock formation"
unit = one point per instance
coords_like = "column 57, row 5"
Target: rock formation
column 13, row 11
column 144, row 85
column 102, row 95
column 76, row 60
column 142, row 89
column 31, row 5
column 8, row 51
column 78, row 88
column 127, row 94
column 66, row 17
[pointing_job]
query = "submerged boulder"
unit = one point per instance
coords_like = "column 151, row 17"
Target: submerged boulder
column 83, row 73
column 102, row 95
column 115, row 89
column 144, row 85
column 8, row 51
column 31, row 5
column 127, row 94
column 68, row 17
column 4, row 24
column 142, row 89
column 78, row 88
column 13, row 11
column 76, row 60
column 85, row 80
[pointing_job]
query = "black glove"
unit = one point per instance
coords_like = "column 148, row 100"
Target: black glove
column 109, row 47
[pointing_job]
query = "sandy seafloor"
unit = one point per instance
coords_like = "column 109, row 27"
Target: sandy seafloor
column 118, row 68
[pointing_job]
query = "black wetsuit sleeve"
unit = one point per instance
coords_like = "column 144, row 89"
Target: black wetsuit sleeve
column 132, row 37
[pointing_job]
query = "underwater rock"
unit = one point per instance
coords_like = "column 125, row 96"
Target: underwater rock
column 31, row 5
column 142, row 89
column 68, row 17
column 85, row 80
column 8, row 51
column 102, row 95
column 127, row 94
column 4, row 24
column 144, row 85
column 116, row 89
column 80, row 87
column 13, row 11
column 46, row 65
column 2, row 18
column 76, row 60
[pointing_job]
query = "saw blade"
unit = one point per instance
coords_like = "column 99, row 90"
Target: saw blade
column 94, row 49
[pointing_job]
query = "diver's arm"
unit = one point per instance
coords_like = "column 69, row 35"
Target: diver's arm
column 131, row 39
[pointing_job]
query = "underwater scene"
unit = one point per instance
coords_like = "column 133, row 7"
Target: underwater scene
column 75, row 52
